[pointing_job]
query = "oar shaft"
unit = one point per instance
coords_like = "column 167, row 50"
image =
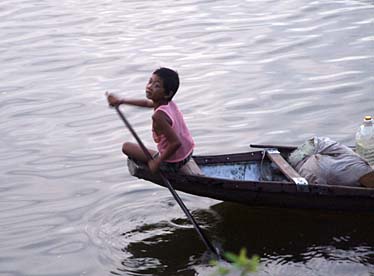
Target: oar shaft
column 189, row 216
column 171, row 189
column 146, row 152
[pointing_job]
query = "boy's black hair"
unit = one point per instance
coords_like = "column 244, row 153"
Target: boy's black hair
column 170, row 79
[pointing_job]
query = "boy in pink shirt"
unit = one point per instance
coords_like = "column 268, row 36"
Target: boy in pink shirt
column 170, row 132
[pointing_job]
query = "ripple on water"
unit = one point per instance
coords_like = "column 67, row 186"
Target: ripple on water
column 124, row 222
column 251, row 71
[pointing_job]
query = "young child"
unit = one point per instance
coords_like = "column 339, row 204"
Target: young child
column 173, row 139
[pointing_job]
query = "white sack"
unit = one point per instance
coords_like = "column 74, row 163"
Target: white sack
column 323, row 161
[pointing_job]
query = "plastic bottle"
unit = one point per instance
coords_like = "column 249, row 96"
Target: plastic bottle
column 365, row 140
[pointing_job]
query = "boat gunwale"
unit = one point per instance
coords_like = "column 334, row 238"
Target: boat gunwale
column 254, row 185
column 214, row 159
column 279, row 194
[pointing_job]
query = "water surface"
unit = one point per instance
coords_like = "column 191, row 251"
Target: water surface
column 251, row 72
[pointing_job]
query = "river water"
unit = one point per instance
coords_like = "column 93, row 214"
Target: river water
column 251, row 72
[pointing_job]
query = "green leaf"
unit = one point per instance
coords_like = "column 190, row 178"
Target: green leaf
column 231, row 257
column 213, row 262
column 223, row 270
column 241, row 262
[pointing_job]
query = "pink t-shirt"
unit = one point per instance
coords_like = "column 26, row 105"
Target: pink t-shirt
column 180, row 128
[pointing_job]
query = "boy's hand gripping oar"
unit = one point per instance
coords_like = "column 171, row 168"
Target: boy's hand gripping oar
column 207, row 243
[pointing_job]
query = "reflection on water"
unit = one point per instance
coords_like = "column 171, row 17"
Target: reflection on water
column 288, row 242
column 251, row 72
column 151, row 256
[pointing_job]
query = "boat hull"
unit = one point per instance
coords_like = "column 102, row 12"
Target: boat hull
column 255, row 192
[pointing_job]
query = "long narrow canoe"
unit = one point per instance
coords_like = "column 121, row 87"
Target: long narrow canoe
column 260, row 178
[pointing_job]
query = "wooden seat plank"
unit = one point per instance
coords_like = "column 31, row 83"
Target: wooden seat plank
column 191, row 168
column 275, row 156
column 367, row 180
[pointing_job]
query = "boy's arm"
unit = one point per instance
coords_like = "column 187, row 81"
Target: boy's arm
column 116, row 101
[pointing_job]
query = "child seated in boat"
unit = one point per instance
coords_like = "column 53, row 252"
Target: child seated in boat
column 170, row 132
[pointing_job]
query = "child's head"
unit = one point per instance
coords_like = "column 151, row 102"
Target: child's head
column 170, row 80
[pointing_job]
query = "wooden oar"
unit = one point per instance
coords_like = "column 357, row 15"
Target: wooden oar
column 281, row 147
column 202, row 236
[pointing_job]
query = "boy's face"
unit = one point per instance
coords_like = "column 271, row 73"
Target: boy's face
column 154, row 89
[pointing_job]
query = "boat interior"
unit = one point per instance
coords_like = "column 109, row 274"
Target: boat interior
column 244, row 171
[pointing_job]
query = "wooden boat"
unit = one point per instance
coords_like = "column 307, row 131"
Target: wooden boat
column 260, row 177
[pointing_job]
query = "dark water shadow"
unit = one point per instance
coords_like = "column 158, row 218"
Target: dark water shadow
column 169, row 248
column 295, row 233
column 273, row 234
